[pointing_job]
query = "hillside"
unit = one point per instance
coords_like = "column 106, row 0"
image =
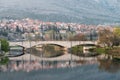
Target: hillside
column 79, row 11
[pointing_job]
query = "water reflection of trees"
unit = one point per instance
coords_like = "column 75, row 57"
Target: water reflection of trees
column 78, row 50
column 52, row 51
column 47, row 51
column 111, row 66
column 34, row 65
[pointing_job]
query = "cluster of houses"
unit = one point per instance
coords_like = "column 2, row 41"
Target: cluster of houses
column 29, row 29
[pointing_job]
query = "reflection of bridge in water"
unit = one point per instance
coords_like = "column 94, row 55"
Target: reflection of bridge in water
column 65, row 44
column 65, row 57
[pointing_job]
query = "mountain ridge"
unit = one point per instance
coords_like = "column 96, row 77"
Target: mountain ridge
column 78, row 11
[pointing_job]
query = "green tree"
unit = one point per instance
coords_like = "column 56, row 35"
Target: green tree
column 4, row 60
column 4, row 45
column 18, row 29
column 117, row 31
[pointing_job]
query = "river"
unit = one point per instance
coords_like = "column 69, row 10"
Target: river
column 104, row 70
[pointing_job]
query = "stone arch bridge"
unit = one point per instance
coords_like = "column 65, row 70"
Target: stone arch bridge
column 66, row 44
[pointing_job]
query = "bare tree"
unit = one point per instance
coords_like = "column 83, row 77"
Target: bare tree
column 108, row 38
column 78, row 37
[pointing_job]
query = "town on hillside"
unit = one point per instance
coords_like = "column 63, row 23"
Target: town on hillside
column 29, row 29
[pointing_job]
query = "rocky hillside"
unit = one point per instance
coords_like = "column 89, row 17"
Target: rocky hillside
column 79, row 11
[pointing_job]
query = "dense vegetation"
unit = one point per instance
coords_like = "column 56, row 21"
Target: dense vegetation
column 4, row 49
column 109, row 42
column 4, row 45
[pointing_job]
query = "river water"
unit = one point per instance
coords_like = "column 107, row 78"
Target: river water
column 104, row 70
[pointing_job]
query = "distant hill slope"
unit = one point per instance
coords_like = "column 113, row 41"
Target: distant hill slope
column 79, row 11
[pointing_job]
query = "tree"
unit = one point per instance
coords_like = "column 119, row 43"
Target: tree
column 78, row 37
column 4, row 48
column 117, row 31
column 4, row 60
column 4, row 45
column 18, row 29
column 37, row 36
column 108, row 38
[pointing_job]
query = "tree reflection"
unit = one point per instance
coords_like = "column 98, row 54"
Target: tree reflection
column 48, row 50
column 111, row 66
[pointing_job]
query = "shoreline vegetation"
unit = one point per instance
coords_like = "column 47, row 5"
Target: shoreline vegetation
column 4, row 48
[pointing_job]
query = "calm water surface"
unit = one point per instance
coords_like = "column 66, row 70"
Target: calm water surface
column 104, row 70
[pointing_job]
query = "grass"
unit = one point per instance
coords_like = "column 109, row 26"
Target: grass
column 100, row 50
column 77, row 50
